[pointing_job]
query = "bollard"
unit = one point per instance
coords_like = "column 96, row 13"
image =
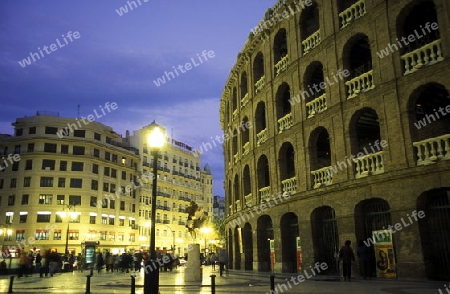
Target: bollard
column 133, row 284
column 272, row 282
column 11, row 281
column 213, row 284
column 88, row 284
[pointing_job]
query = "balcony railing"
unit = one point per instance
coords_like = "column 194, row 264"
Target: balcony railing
column 311, row 42
column 371, row 164
column 352, row 13
column 282, row 65
column 245, row 100
column 426, row 55
column 261, row 137
column 246, row 149
column 259, row 85
column 248, row 200
column 317, row 105
column 431, row 150
column 238, row 205
column 322, row 177
column 264, row 194
column 285, row 123
column 360, row 84
column 289, row 185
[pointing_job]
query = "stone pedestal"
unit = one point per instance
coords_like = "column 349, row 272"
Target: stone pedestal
column 193, row 272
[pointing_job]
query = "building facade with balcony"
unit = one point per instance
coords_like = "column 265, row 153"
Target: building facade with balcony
column 351, row 112
column 180, row 180
column 73, row 186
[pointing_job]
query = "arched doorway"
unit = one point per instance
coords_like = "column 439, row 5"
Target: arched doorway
column 289, row 234
column 237, row 248
column 264, row 235
column 248, row 247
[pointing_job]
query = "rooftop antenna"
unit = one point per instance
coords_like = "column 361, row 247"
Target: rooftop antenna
column 78, row 110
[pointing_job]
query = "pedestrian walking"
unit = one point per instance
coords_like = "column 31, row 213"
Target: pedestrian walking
column 99, row 262
column 213, row 259
column 346, row 255
column 23, row 263
column 110, row 263
column 223, row 260
column 363, row 253
column 38, row 260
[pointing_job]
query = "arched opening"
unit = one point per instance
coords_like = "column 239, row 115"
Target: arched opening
column 260, row 117
column 287, row 167
column 435, row 232
column 289, row 235
column 282, row 100
column 417, row 18
column 280, row 48
column 372, row 215
column 248, row 247
column 247, row 185
column 229, row 198
column 320, row 158
column 244, row 88
column 358, row 56
column 313, row 93
column 230, row 249
column 344, row 4
column 234, row 101
column 280, row 52
column 245, row 137
column 365, row 132
column 264, row 235
column 366, row 143
column 237, row 193
column 258, row 71
column 237, row 247
column 429, row 120
column 428, row 102
column 263, row 175
column 235, row 146
column 325, row 237
column 309, row 25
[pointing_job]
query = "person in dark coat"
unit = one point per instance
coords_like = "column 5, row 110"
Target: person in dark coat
column 99, row 262
column 347, row 256
column 363, row 253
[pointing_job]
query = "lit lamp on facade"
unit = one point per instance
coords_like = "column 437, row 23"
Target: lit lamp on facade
column 156, row 140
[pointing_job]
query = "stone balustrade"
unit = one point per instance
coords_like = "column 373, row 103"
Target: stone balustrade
column 285, row 123
column 431, row 150
column 322, row 177
column 238, row 205
column 245, row 100
column 264, row 194
column 259, row 85
column 317, row 105
column 360, row 84
column 311, row 42
column 370, row 164
column 261, row 137
column 352, row 13
column 248, row 200
column 246, row 149
column 282, row 65
column 290, row 185
column 426, row 55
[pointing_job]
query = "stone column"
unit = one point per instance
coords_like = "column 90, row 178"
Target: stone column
column 193, row 272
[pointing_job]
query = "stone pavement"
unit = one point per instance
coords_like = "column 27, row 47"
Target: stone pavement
column 233, row 282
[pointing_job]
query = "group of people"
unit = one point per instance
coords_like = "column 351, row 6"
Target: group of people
column 347, row 256
column 128, row 261
column 46, row 264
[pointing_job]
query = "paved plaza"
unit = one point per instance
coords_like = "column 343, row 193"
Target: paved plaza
column 233, row 282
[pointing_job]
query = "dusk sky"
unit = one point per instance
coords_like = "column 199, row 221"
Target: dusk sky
column 116, row 58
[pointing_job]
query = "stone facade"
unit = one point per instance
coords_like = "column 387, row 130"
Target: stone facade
column 348, row 154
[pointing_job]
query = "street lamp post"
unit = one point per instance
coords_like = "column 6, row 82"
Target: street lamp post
column 68, row 208
column 155, row 142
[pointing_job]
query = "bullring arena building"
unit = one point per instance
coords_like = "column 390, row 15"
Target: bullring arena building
column 350, row 113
